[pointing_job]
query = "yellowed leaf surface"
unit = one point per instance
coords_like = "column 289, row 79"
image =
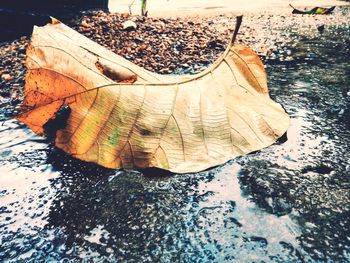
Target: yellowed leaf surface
column 125, row 116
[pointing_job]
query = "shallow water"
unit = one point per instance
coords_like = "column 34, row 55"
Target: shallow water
column 287, row 203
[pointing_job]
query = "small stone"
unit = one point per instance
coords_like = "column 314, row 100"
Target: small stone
column 7, row 77
column 129, row 25
column 159, row 25
column 164, row 71
column 85, row 24
column 196, row 67
column 143, row 47
column 138, row 40
column 125, row 15
column 203, row 60
column 150, row 28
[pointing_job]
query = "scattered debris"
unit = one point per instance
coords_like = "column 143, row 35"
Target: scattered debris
column 171, row 45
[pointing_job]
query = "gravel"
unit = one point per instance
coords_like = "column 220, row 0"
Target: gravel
column 168, row 45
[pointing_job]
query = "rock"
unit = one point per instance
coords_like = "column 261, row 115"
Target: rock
column 164, row 71
column 143, row 47
column 321, row 29
column 159, row 25
column 150, row 28
column 197, row 67
column 7, row 77
column 84, row 23
column 125, row 15
column 129, row 25
column 139, row 40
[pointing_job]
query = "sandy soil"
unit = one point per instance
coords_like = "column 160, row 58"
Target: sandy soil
column 181, row 8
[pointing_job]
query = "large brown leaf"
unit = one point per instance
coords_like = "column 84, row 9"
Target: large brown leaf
column 125, row 116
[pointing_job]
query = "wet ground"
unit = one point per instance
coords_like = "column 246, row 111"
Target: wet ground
column 287, row 203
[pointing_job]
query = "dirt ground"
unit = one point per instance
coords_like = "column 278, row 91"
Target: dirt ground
column 181, row 8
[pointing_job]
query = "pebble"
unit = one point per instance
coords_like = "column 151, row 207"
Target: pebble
column 129, row 25
column 85, row 24
column 7, row 77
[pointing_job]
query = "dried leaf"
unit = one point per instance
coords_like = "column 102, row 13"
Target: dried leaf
column 313, row 11
column 125, row 116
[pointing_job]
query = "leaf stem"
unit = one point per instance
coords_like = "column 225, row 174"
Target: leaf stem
column 238, row 25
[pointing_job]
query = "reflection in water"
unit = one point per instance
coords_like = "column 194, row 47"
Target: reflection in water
column 313, row 178
column 88, row 212
column 286, row 203
column 186, row 218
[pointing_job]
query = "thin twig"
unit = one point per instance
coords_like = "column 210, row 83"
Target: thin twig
column 131, row 6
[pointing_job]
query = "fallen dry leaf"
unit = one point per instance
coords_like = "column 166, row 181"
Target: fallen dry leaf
column 125, row 116
column 314, row 11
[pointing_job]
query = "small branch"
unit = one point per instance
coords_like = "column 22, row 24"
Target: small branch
column 131, row 6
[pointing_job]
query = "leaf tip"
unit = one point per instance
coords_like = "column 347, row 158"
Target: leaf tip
column 55, row 21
